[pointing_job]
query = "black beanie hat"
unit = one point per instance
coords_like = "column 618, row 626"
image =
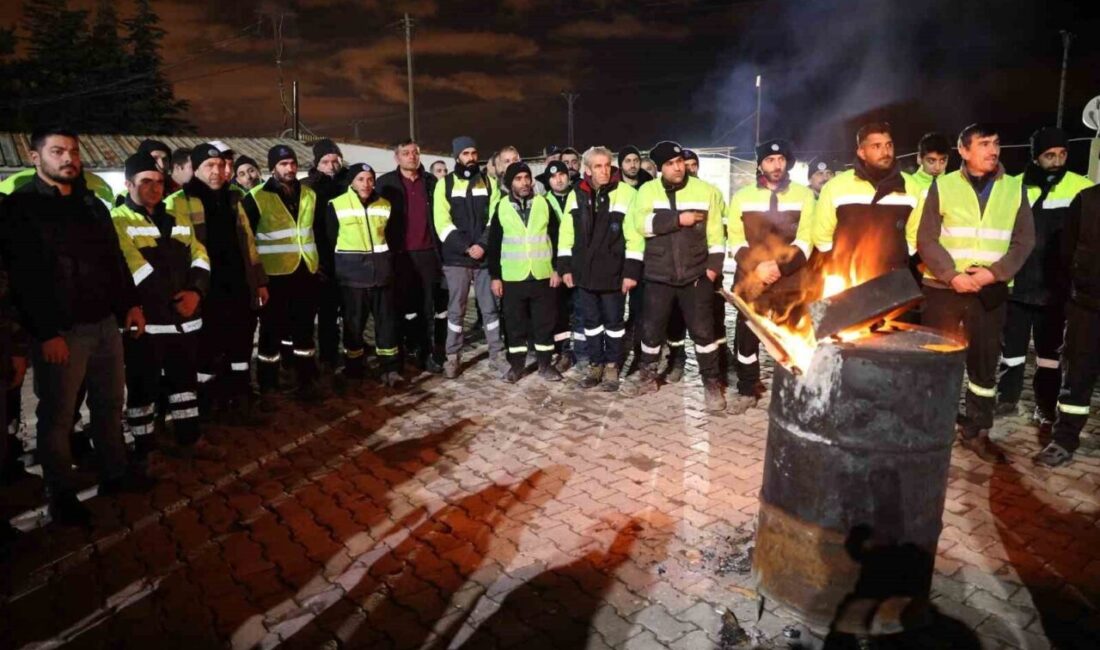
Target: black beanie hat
column 279, row 153
column 359, row 168
column 244, row 160
column 140, row 162
column 203, row 152
column 690, row 155
column 324, row 147
column 552, row 167
column 665, row 151
column 626, row 151
column 773, row 148
column 149, row 146
column 1046, row 138
column 514, row 170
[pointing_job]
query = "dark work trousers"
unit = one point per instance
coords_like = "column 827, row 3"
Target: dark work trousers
column 162, row 368
column 422, row 302
column 720, row 332
column 1080, row 368
column 694, row 301
column 747, row 359
column 966, row 318
column 1046, row 324
column 289, row 315
column 677, row 338
column 530, row 309
column 95, row 356
column 225, row 346
column 360, row 303
column 601, row 315
column 566, row 316
column 329, row 303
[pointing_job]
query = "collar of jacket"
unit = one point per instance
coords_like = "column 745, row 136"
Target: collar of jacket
column 521, row 204
column 273, row 185
column 141, row 210
column 1036, row 176
column 42, row 187
column 892, row 181
column 762, row 183
column 679, row 186
column 586, row 184
column 994, row 176
column 199, row 189
column 370, row 199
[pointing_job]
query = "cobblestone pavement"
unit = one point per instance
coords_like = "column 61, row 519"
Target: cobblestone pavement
column 476, row 514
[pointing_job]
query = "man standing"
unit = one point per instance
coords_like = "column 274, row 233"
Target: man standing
column 181, row 170
column 163, row 157
column 238, row 286
column 1081, row 355
column 246, row 173
column 556, row 178
column 591, row 255
column 769, row 230
column 172, row 272
column 439, row 169
column 975, row 233
column 415, row 246
column 281, row 213
column 821, row 172
column 630, row 165
column 327, row 181
column 72, row 289
column 675, row 228
column 461, row 206
column 861, row 215
column 933, row 150
column 572, row 159
column 521, row 264
column 364, row 271
column 1036, row 306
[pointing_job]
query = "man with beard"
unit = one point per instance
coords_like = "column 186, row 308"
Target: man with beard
column 1036, row 306
column 461, row 207
column 630, row 165
column 522, row 238
column 418, row 274
column 246, row 173
column 572, row 159
column 821, row 172
column 769, row 230
column 591, row 256
column 238, row 287
column 861, row 215
column 281, row 213
column 327, row 181
column 974, row 234
column 72, row 289
column 675, row 228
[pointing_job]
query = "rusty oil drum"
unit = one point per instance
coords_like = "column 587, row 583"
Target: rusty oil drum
column 855, row 476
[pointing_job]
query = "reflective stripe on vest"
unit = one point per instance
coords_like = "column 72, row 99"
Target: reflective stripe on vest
column 973, row 237
column 361, row 230
column 281, row 241
column 525, row 250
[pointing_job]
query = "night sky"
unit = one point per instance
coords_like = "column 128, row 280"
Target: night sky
column 645, row 70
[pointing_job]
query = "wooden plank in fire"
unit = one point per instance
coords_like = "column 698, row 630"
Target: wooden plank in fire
column 758, row 327
column 864, row 304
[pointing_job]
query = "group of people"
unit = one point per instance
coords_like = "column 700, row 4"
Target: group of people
column 150, row 307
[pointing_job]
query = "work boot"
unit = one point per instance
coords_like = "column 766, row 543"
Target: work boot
column 675, row 369
column 563, row 363
column 714, row 398
column 499, row 365
column 645, row 383
column 1053, row 455
column 391, row 378
column 610, row 383
column 985, row 448
column 1006, row 408
column 1043, row 421
column 593, row 377
column 67, row 510
column 450, row 366
column 513, row 375
column 742, row 403
column 548, row 372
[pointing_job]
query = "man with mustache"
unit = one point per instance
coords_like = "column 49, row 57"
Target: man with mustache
column 975, row 232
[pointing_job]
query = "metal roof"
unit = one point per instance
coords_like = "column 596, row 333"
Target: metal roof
column 108, row 152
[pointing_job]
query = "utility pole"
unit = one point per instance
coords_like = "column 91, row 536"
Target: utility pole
column 278, row 16
column 294, row 110
column 1067, row 38
column 759, row 92
column 407, row 25
column 570, row 98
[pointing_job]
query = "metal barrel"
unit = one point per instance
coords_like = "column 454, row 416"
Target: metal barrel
column 855, row 477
